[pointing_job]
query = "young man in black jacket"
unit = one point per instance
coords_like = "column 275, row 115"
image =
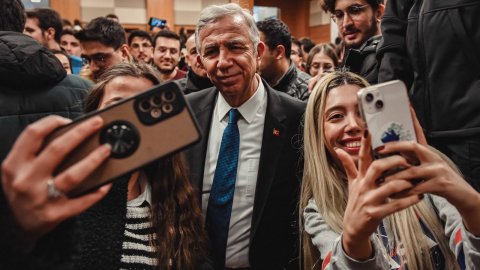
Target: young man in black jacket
column 358, row 23
column 433, row 46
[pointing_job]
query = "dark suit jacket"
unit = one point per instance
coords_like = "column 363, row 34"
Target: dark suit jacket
column 274, row 230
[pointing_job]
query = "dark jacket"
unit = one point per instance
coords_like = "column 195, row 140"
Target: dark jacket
column 434, row 47
column 363, row 61
column 92, row 240
column 274, row 231
column 294, row 83
column 194, row 83
column 33, row 84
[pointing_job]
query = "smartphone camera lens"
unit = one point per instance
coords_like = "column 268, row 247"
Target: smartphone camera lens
column 167, row 108
column 156, row 100
column 379, row 104
column 145, row 106
column 156, row 112
column 168, row 96
column 369, row 97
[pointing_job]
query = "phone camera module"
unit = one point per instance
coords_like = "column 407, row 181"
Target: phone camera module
column 156, row 100
column 369, row 97
column 156, row 112
column 167, row 108
column 145, row 106
column 168, row 96
column 379, row 104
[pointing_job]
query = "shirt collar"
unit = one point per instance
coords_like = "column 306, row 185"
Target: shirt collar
column 248, row 109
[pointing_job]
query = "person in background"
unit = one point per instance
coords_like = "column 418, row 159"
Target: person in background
column 166, row 55
column 33, row 83
column 70, row 43
column 358, row 23
column 45, row 26
column 196, row 78
column 276, row 67
column 307, row 45
column 435, row 52
column 140, row 45
column 355, row 216
column 148, row 219
column 296, row 54
column 103, row 45
column 64, row 60
column 112, row 17
column 248, row 180
column 322, row 60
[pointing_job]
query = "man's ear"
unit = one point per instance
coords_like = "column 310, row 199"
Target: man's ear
column 279, row 52
column 125, row 52
column 260, row 50
column 49, row 33
column 379, row 13
column 200, row 63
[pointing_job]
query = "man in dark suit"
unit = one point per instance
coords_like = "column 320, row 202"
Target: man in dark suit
column 247, row 161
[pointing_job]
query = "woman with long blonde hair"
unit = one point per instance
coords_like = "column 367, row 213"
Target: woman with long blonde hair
column 355, row 219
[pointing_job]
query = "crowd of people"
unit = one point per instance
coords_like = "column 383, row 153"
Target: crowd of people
column 283, row 176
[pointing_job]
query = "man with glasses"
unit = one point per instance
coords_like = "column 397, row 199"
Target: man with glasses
column 358, row 23
column 103, row 45
column 140, row 43
column 166, row 55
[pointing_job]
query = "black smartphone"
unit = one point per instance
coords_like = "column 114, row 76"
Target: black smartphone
column 140, row 129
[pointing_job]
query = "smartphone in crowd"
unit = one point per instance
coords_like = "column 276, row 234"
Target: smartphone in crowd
column 140, row 129
column 156, row 22
column 385, row 108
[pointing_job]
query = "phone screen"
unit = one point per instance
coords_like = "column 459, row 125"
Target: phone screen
column 156, row 22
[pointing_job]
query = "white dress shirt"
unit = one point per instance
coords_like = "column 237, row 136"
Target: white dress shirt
column 250, row 126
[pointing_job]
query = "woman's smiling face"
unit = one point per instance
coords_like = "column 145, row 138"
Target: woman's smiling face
column 342, row 124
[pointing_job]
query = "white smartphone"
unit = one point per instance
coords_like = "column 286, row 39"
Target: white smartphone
column 386, row 111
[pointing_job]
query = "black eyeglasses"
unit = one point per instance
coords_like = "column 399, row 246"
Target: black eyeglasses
column 353, row 11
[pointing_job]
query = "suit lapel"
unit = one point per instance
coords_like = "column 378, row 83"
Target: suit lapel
column 274, row 137
column 202, row 107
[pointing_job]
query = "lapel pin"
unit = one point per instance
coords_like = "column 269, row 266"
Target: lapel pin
column 276, row 132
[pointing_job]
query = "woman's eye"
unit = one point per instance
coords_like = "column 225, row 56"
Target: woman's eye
column 335, row 116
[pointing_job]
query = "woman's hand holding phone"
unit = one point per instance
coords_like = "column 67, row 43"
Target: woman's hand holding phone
column 27, row 175
column 368, row 200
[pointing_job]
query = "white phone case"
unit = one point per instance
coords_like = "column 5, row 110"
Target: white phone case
column 385, row 110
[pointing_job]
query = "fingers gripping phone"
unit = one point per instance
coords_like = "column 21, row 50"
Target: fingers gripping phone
column 140, row 129
column 386, row 111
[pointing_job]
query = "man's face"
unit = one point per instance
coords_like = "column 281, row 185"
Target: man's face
column 141, row 49
column 295, row 56
column 356, row 21
column 71, row 45
column 192, row 59
column 100, row 57
column 230, row 59
column 267, row 67
column 166, row 54
column 32, row 29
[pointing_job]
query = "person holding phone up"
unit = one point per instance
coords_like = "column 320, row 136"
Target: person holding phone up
column 147, row 219
column 353, row 218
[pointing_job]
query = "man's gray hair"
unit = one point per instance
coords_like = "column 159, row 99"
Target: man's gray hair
column 214, row 13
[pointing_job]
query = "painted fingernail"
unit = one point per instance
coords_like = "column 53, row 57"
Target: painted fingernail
column 380, row 148
column 420, row 196
column 365, row 133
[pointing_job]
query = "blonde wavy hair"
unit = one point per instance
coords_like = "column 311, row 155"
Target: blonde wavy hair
column 324, row 180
